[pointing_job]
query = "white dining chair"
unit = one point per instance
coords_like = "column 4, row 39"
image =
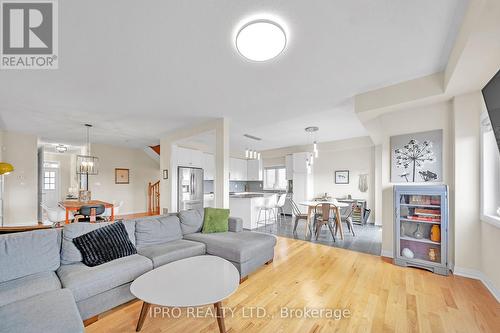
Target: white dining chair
column 54, row 215
column 116, row 207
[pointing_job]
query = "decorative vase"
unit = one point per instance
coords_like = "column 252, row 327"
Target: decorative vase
column 435, row 233
column 407, row 253
column 402, row 231
column 418, row 233
column 432, row 254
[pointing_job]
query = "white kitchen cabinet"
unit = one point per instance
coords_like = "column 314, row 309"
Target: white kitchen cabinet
column 208, row 166
column 303, row 183
column 189, row 157
column 237, row 169
column 254, row 170
column 289, row 166
column 299, row 162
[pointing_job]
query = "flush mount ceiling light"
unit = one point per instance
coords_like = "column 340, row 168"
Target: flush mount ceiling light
column 261, row 40
column 61, row 148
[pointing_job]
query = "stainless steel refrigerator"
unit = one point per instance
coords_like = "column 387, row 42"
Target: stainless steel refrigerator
column 189, row 188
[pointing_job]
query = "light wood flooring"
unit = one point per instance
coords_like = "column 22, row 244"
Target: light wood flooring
column 380, row 296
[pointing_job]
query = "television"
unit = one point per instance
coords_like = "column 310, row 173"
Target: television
column 491, row 95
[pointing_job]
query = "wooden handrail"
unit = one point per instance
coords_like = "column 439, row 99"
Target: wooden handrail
column 154, row 198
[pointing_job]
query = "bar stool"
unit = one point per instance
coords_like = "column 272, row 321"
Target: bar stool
column 279, row 206
column 269, row 208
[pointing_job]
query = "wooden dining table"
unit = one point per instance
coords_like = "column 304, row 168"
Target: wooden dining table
column 311, row 205
column 75, row 205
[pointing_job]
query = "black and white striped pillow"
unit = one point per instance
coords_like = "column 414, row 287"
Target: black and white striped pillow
column 104, row 244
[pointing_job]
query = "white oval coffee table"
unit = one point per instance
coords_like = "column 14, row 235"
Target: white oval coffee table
column 194, row 281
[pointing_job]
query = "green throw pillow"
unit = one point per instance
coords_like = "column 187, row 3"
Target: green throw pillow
column 216, row 220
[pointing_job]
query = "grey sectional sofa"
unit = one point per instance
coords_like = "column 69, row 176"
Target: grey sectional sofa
column 45, row 287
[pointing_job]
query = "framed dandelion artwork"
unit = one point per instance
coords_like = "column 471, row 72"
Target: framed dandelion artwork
column 417, row 157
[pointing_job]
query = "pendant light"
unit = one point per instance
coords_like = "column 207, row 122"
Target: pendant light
column 311, row 131
column 251, row 154
column 87, row 164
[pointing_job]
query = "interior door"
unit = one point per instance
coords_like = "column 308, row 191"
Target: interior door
column 51, row 185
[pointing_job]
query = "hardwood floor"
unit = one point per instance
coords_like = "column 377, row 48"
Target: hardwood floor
column 380, row 296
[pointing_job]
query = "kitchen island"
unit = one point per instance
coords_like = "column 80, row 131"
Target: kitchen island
column 246, row 206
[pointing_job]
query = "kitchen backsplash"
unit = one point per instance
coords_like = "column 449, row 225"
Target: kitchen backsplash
column 254, row 186
column 237, row 186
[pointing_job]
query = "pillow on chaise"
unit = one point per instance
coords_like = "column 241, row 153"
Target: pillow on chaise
column 215, row 220
column 105, row 244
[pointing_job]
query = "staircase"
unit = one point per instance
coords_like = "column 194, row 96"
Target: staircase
column 154, row 198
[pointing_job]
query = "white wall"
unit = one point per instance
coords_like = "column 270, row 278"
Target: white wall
column 357, row 161
column 425, row 118
column 466, row 197
column 143, row 170
column 21, row 186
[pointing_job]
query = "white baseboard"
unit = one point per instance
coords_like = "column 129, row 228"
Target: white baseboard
column 478, row 275
column 387, row 253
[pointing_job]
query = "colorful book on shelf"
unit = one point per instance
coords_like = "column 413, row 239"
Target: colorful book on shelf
column 424, row 218
column 424, row 200
column 427, row 212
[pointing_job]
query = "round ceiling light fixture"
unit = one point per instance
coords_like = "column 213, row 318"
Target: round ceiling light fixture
column 261, row 40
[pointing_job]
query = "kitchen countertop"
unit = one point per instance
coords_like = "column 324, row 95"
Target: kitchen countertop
column 246, row 196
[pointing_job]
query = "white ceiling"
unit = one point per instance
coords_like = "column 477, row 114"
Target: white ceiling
column 140, row 69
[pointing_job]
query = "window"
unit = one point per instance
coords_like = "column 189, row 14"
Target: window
column 275, row 178
column 49, row 180
column 490, row 174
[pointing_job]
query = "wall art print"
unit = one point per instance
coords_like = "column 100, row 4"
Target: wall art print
column 417, row 157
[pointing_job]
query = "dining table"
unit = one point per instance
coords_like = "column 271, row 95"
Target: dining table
column 311, row 205
column 75, row 205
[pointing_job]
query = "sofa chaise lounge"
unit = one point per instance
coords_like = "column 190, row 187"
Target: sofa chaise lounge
column 44, row 286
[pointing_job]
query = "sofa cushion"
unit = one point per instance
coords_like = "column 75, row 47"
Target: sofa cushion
column 157, row 230
column 216, row 220
column 53, row 311
column 27, row 286
column 162, row 254
column 191, row 220
column 235, row 224
column 27, row 253
column 69, row 253
column 86, row 281
column 104, row 244
column 235, row 246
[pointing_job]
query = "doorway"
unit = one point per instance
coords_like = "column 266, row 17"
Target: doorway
column 51, row 184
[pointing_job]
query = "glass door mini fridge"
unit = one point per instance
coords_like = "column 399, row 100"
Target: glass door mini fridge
column 421, row 227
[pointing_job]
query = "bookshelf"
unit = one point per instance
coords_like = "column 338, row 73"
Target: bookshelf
column 421, row 227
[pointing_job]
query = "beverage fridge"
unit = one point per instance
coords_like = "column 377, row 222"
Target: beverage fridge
column 189, row 188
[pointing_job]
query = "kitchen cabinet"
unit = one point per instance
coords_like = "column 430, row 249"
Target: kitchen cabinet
column 209, row 166
column 189, row 157
column 289, row 166
column 237, row 169
column 254, row 170
column 303, row 182
column 299, row 162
